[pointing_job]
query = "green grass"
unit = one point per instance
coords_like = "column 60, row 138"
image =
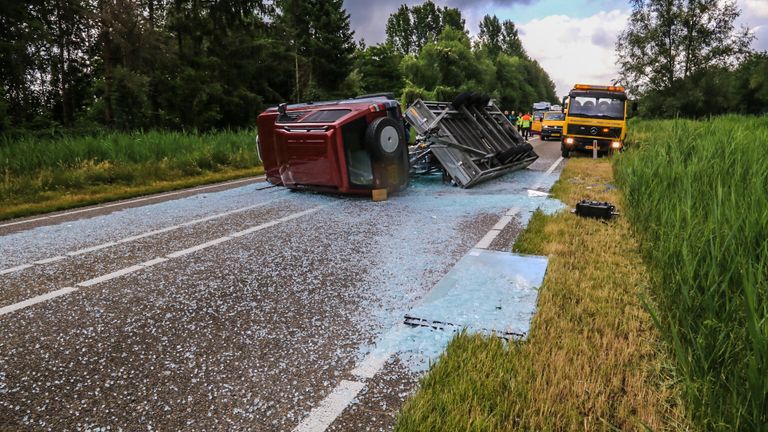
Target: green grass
column 593, row 359
column 40, row 175
column 698, row 196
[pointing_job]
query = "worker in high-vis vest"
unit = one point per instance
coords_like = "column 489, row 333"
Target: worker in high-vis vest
column 526, row 125
column 520, row 124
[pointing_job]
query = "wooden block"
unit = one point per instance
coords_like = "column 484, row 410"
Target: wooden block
column 379, row 194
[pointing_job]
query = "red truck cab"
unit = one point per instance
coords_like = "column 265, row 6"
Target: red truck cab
column 350, row 146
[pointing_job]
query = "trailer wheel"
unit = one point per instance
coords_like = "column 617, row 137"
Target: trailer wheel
column 384, row 138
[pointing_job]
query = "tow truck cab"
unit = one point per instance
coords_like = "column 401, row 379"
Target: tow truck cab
column 595, row 113
column 351, row 146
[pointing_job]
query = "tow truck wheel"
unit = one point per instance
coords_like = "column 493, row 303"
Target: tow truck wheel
column 565, row 151
column 384, row 138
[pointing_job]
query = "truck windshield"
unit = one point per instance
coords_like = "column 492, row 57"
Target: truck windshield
column 598, row 107
column 554, row 116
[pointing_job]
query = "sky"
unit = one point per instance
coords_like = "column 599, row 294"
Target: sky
column 573, row 40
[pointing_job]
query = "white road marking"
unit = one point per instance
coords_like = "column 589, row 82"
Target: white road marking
column 162, row 195
column 554, row 165
column 137, row 267
column 494, row 232
column 199, row 247
column 275, row 222
column 34, row 300
column 533, row 191
column 503, row 222
column 15, row 269
column 91, row 249
column 486, row 241
column 324, row 414
column 136, row 237
column 155, row 261
column 49, row 260
column 110, row 276
column 372, row 364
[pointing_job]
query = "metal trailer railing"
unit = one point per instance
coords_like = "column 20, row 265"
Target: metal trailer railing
column 470, row 140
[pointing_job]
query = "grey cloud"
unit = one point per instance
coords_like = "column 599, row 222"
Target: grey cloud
column 369, row 18
column 603, row 39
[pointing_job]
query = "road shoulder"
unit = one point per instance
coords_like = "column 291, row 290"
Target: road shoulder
column 593, row 359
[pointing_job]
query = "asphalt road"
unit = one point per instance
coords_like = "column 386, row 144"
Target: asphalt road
column 240, row 307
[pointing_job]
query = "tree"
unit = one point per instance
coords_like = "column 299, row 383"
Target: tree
column 427, row 24
column 510, row 41
column 667, row 40
column 322, row 43
column 491, row 35
column 409, row 29
column 379, row 66
column 332, row 44
column 451, row 17
column 399, row 34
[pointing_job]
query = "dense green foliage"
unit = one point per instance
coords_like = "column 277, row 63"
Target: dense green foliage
column 686, row 57
column 696, row 192
column 32, row 166
column 89, row 65
column 451, row 64
column 177, row 64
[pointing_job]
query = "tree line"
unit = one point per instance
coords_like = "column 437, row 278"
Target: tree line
column 688, row 58
column 196, row 64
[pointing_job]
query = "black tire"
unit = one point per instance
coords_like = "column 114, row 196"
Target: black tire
column 475, row 100
column 385, row 138
column 483, row 101
column 566, row 153
column 461, row 99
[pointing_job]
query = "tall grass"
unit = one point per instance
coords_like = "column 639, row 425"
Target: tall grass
column 698, row 194
column 593, row 360
column 32, row 166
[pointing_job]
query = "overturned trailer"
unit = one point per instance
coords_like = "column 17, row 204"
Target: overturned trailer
column 360, row 145
column 470, row 140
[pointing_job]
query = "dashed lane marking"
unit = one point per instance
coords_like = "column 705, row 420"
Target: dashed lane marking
column 122, row 272
column 135, row 237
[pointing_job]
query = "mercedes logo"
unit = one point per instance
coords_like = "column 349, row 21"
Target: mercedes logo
column 593, row 131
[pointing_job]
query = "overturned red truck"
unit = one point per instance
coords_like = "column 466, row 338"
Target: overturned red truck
column 355, row 146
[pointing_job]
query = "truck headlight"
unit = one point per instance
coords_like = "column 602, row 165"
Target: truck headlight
column 569, row 140
column 616, row 145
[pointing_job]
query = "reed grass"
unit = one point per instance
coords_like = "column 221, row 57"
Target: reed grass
column 43, row 174
column 697, row 194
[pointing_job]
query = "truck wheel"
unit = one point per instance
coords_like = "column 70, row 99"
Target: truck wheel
column 384, row 138
column 566, row 152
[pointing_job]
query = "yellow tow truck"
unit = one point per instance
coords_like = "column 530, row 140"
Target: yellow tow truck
column 595, row 114
column 552, row 125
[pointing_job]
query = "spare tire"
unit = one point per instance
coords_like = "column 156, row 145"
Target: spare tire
column 385, row 138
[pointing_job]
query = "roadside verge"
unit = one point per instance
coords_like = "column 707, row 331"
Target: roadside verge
column 593, row 360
